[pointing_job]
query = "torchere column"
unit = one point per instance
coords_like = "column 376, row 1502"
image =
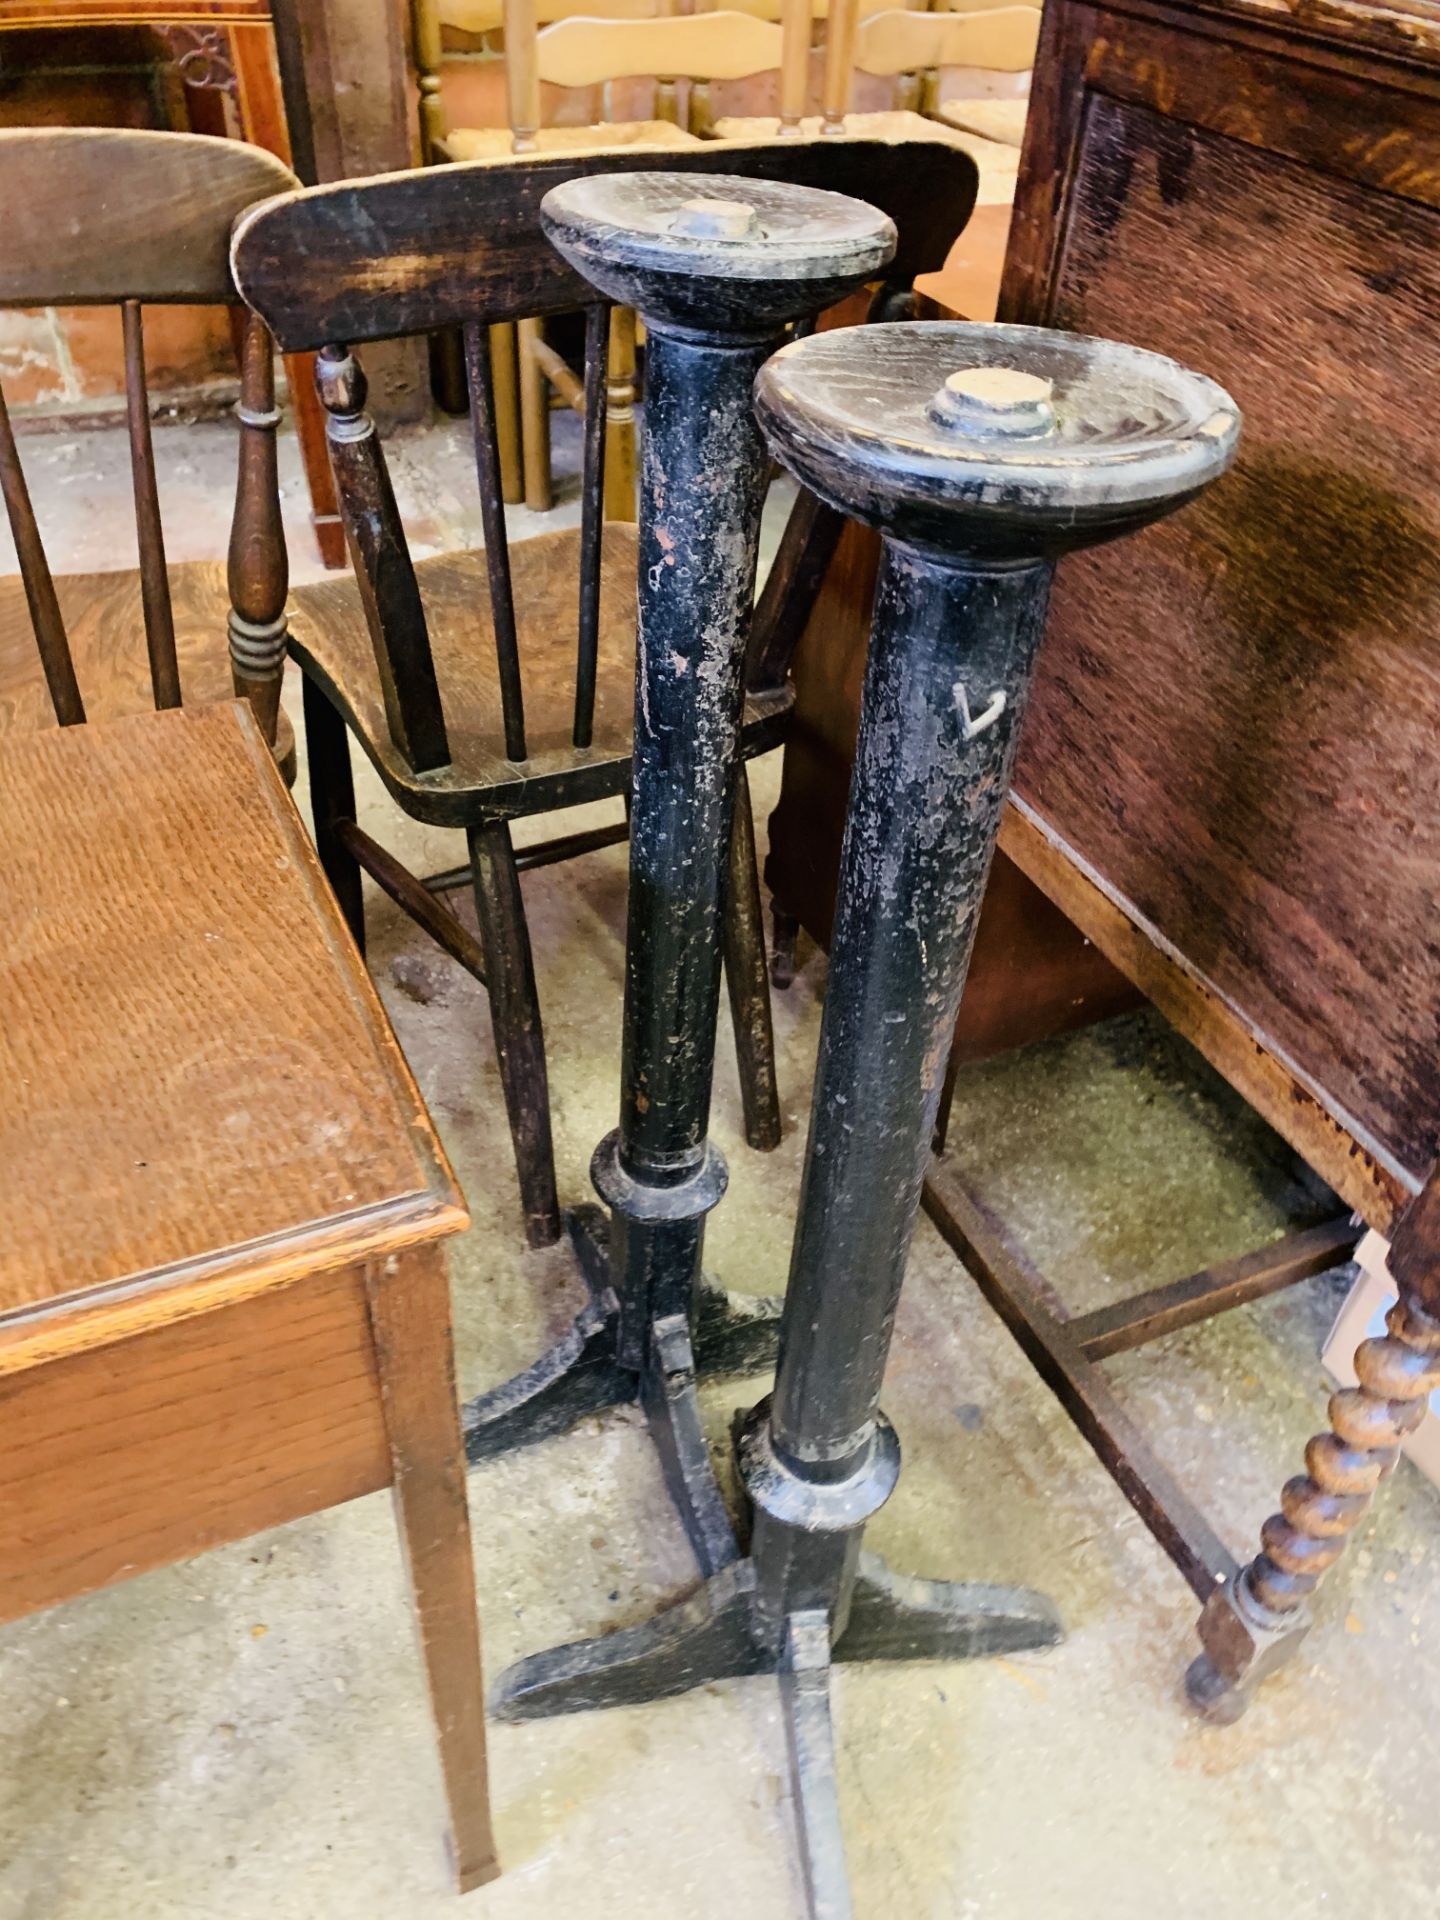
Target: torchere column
column 715, row 280
column 981, row 454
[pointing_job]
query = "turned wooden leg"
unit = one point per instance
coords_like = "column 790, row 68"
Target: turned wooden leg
column 515, row 1015
column 620, row 436
column 785, row 931
column 409, row 1302
column 745, row 976
column 332, row 799
column 534, row 420
column 505, row 383
column 1254, row 1624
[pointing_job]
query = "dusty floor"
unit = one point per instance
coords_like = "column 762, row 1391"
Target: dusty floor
column 245, row 1736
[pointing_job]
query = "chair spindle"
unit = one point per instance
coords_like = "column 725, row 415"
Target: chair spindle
column 45, row 616
column 259, row 567
column 492, row 519
column 384, row 571
column 154, row 579
column 592, row 519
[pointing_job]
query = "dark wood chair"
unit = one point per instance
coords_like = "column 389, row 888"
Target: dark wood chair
column 486, row 687
column 126, row 218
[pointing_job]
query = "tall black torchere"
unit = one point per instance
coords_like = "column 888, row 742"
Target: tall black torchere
column 716, row 280
column 982, row 454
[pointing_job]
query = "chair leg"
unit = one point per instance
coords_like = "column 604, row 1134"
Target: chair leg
column 409, row 1304
column 786, row 931
column 534, row 420
column 515, row 1014
column 332, row 799
column 743, row 934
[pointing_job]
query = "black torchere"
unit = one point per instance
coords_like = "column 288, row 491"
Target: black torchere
column 716, row 280
column 982, row 454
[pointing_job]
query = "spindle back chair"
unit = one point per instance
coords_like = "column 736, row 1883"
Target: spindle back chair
column 485, row 688
column 126, row 218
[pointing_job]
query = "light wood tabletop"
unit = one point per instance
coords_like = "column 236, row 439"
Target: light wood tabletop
column 222, row 1304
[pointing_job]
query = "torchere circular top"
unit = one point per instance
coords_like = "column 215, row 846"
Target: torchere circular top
column 1005, row 440
column 716, row 251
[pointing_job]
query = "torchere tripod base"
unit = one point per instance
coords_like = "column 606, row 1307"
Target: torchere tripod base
column 581, row 1375
column 714, row 1635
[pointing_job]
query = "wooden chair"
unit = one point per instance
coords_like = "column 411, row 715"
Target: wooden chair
column 499, row 696
column 224, row 47
column 223, row 1304
column 614, row 40
column 112, row 217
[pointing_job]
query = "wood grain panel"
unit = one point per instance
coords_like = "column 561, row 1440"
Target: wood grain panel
column 1235, row 718
column 196, row 1067
column 146, row 1451
column 101, row 214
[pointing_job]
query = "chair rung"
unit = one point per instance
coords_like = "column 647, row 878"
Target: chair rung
column 545, row 853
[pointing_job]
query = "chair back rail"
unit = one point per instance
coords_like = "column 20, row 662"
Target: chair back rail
column 127, row 218
column 1002, row 40
column 462, row 245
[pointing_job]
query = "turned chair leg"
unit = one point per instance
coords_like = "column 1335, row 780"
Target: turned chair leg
column 785, row 931
column 534, row 419
column 409, row 1303
column 1254, row 1623
column 515, row 1015
column 743, row 932
column 332, row 800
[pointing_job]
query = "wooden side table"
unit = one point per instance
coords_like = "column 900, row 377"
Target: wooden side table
column 223, row 1304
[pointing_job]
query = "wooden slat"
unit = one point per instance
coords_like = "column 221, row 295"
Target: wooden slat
column 497, row 548
column 109, row 214
column 45, row 616
column 586, row 52
column 592, row 520
column 1018, row 1294
column 1123, row 1324
column 407, row 253
column 154, row 581
column 1002, row 41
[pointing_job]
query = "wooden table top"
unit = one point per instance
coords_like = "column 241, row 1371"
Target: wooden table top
column 202, row 1091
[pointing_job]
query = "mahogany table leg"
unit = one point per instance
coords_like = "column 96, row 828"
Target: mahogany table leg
column 409, row 1301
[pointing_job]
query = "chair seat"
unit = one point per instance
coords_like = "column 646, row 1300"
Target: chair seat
column 496, row 143
column 105, row 622
column 998, row 164
column 1002, row 120
column 330, row 638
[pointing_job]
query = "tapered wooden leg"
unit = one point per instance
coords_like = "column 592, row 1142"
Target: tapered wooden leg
column 785, row 928
column 505, row 380
column 620, row 437
column 409, row 1302
column 332, row 799
column 534, row 420
column 519, row 1037
column 748, row 982
column 1254, row 1623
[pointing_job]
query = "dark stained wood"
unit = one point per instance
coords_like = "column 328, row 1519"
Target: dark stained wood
column 410, row 1319
column 1123, row 1324
column 111, row 214
column 1022, row 1298
column 792, row 586
column 481, row 387
column 519, row 1034
column 1415, row 1248
column 221, row 1197
column 41, row 603
column 592, row 522
column 466, row 238
column 1250, row 692
column 414, row 720
column 332, row 803
column 747, row 979
column 149, row 535
column 413, row 895
column 330, row 635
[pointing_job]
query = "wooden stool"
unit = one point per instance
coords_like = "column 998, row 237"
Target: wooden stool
column 222, row 1304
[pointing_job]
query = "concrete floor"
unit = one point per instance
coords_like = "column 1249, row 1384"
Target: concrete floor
column 245, row 1736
